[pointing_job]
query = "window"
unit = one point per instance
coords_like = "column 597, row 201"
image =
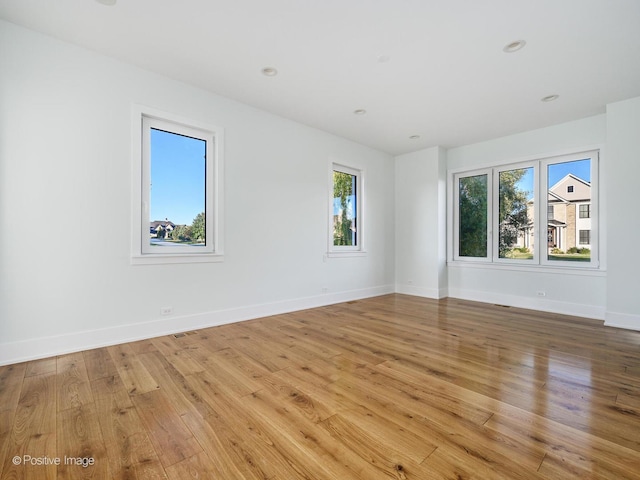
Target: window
column 564, row 229
column 473, row 222
column 585, row 237
column 177, row 186
column 516, row 213
column 585, row 211
column 497, row 213
column 345, row 218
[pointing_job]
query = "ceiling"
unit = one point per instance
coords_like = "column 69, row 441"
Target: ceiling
column 429, row 68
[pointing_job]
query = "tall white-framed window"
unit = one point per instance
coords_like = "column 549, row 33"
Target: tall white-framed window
column 177, row 189
column 516, row 210
column 571, row 183
column 540, row 212
column 346, row 225
column 473, row 215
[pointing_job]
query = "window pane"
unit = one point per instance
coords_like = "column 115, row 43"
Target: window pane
column 344, row 209
column 177, row 208
column 569, row 197
column 472, row 213
column 515, row 214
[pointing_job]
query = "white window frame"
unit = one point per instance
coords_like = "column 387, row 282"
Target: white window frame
column 144, row 119
column 347, row 250
column 496, row 212
column 594, row 156
column 540, row 259
column 456, row 217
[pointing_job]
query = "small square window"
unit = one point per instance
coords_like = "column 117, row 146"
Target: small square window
column 585, row 210
column 570, row 189
column 585, row 237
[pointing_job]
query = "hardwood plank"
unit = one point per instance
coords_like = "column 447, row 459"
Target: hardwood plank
column 72, row 382
column 128, row 448
column 11, row 378
column 379, row 450
column 174, row 385
column 197, row 466
column 99, row 363
column 166, row 430
column 41, row 367
column 33, row 433
column 135, row 376
column 176, row 355
column 305, row 441
column 80, row 445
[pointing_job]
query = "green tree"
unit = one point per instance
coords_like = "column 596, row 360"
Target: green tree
column 472, row 210
column 198, row 228
column 343, row 189
column 513, row 218
column 181, row 233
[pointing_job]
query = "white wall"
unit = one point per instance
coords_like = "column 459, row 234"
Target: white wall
column 421, row 223
column 577, row 294
column 66, row 282
column 623, row 172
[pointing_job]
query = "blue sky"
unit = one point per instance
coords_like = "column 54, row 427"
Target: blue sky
column 557, row 171
column 177, row 177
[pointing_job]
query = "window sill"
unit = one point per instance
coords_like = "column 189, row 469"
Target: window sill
column 346, row 254
column 164, row 259
column 563, row 270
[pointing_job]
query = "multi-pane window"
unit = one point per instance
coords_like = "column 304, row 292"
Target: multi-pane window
column 585, row 237
column 179, row 190
column 345, row 219
column 497, row 212
column 585, row 210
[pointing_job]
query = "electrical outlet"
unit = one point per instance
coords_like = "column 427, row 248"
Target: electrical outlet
column 542, row 293
column 166, row 310
column 325, row 289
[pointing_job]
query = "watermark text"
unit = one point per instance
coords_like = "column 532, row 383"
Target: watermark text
column 45, row 460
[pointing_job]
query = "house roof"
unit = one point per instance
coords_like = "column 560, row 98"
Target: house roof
column 164, row 223
column 580, row 189
column 433, row 69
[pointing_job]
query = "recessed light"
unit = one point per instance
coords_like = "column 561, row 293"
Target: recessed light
column 414, row 137
column 514, row 46
column 360, row 111
column 269, row 71
column 109, row 3
column 549, row 98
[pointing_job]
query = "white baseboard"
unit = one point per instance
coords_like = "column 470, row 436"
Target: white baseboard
column 421, row 291
column 32, row 349
column 622, row 320
column 542, row 304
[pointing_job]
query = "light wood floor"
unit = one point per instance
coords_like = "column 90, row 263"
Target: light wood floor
column 393, row 387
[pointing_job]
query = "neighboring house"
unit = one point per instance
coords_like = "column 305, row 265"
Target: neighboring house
column 166, row 225
column 568, row 215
